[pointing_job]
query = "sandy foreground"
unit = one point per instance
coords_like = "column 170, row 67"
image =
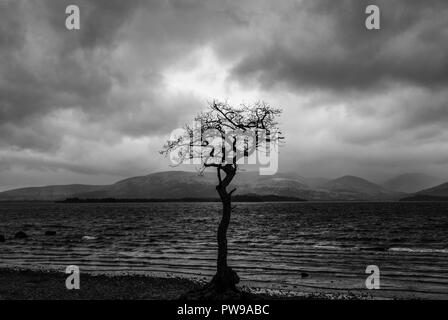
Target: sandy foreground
column 17, row 284
column 50, row 285
column 42, row 285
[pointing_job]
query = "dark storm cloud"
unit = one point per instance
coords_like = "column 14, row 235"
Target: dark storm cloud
column 411, row 47
column 100, row 20
column 45, row 68
column 110, row 69
column 12, row 30
column 36, row 79
column 71, row 99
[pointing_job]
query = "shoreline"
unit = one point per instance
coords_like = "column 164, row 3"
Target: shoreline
column 21, row 284
column 24, row 284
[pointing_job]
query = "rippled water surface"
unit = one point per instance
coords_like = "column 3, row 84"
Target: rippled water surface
column 295, row 246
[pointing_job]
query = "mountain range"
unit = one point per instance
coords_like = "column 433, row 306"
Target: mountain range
column 438, row 193
column 183, row 184
column 412, row 182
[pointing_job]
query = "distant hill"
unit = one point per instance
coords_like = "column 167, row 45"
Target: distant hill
column 163, row 185
column 412, row 182
column 160, row 185
column 48, row 193
column 355, row 188
column 236, row 198
column 422, row 197
column 308, row 182
column 438, row 193
column 182, row 184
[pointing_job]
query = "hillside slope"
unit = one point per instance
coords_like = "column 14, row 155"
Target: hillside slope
column 355, row 188
column 183, row 184
column 412, row 182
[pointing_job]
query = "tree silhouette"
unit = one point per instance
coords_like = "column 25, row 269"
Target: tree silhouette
column 223, row 137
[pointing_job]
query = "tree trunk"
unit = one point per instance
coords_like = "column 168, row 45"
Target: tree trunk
column 225, row 278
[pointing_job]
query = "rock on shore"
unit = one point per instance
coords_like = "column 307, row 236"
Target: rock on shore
column 21, row 235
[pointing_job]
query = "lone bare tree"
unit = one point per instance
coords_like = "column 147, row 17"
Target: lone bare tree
column 223, row 137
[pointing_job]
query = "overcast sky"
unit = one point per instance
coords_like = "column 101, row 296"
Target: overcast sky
column 95, row 105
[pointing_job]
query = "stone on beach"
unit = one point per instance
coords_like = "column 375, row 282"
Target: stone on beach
column 88, row 238
column 21, row 235
column 304, row 275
